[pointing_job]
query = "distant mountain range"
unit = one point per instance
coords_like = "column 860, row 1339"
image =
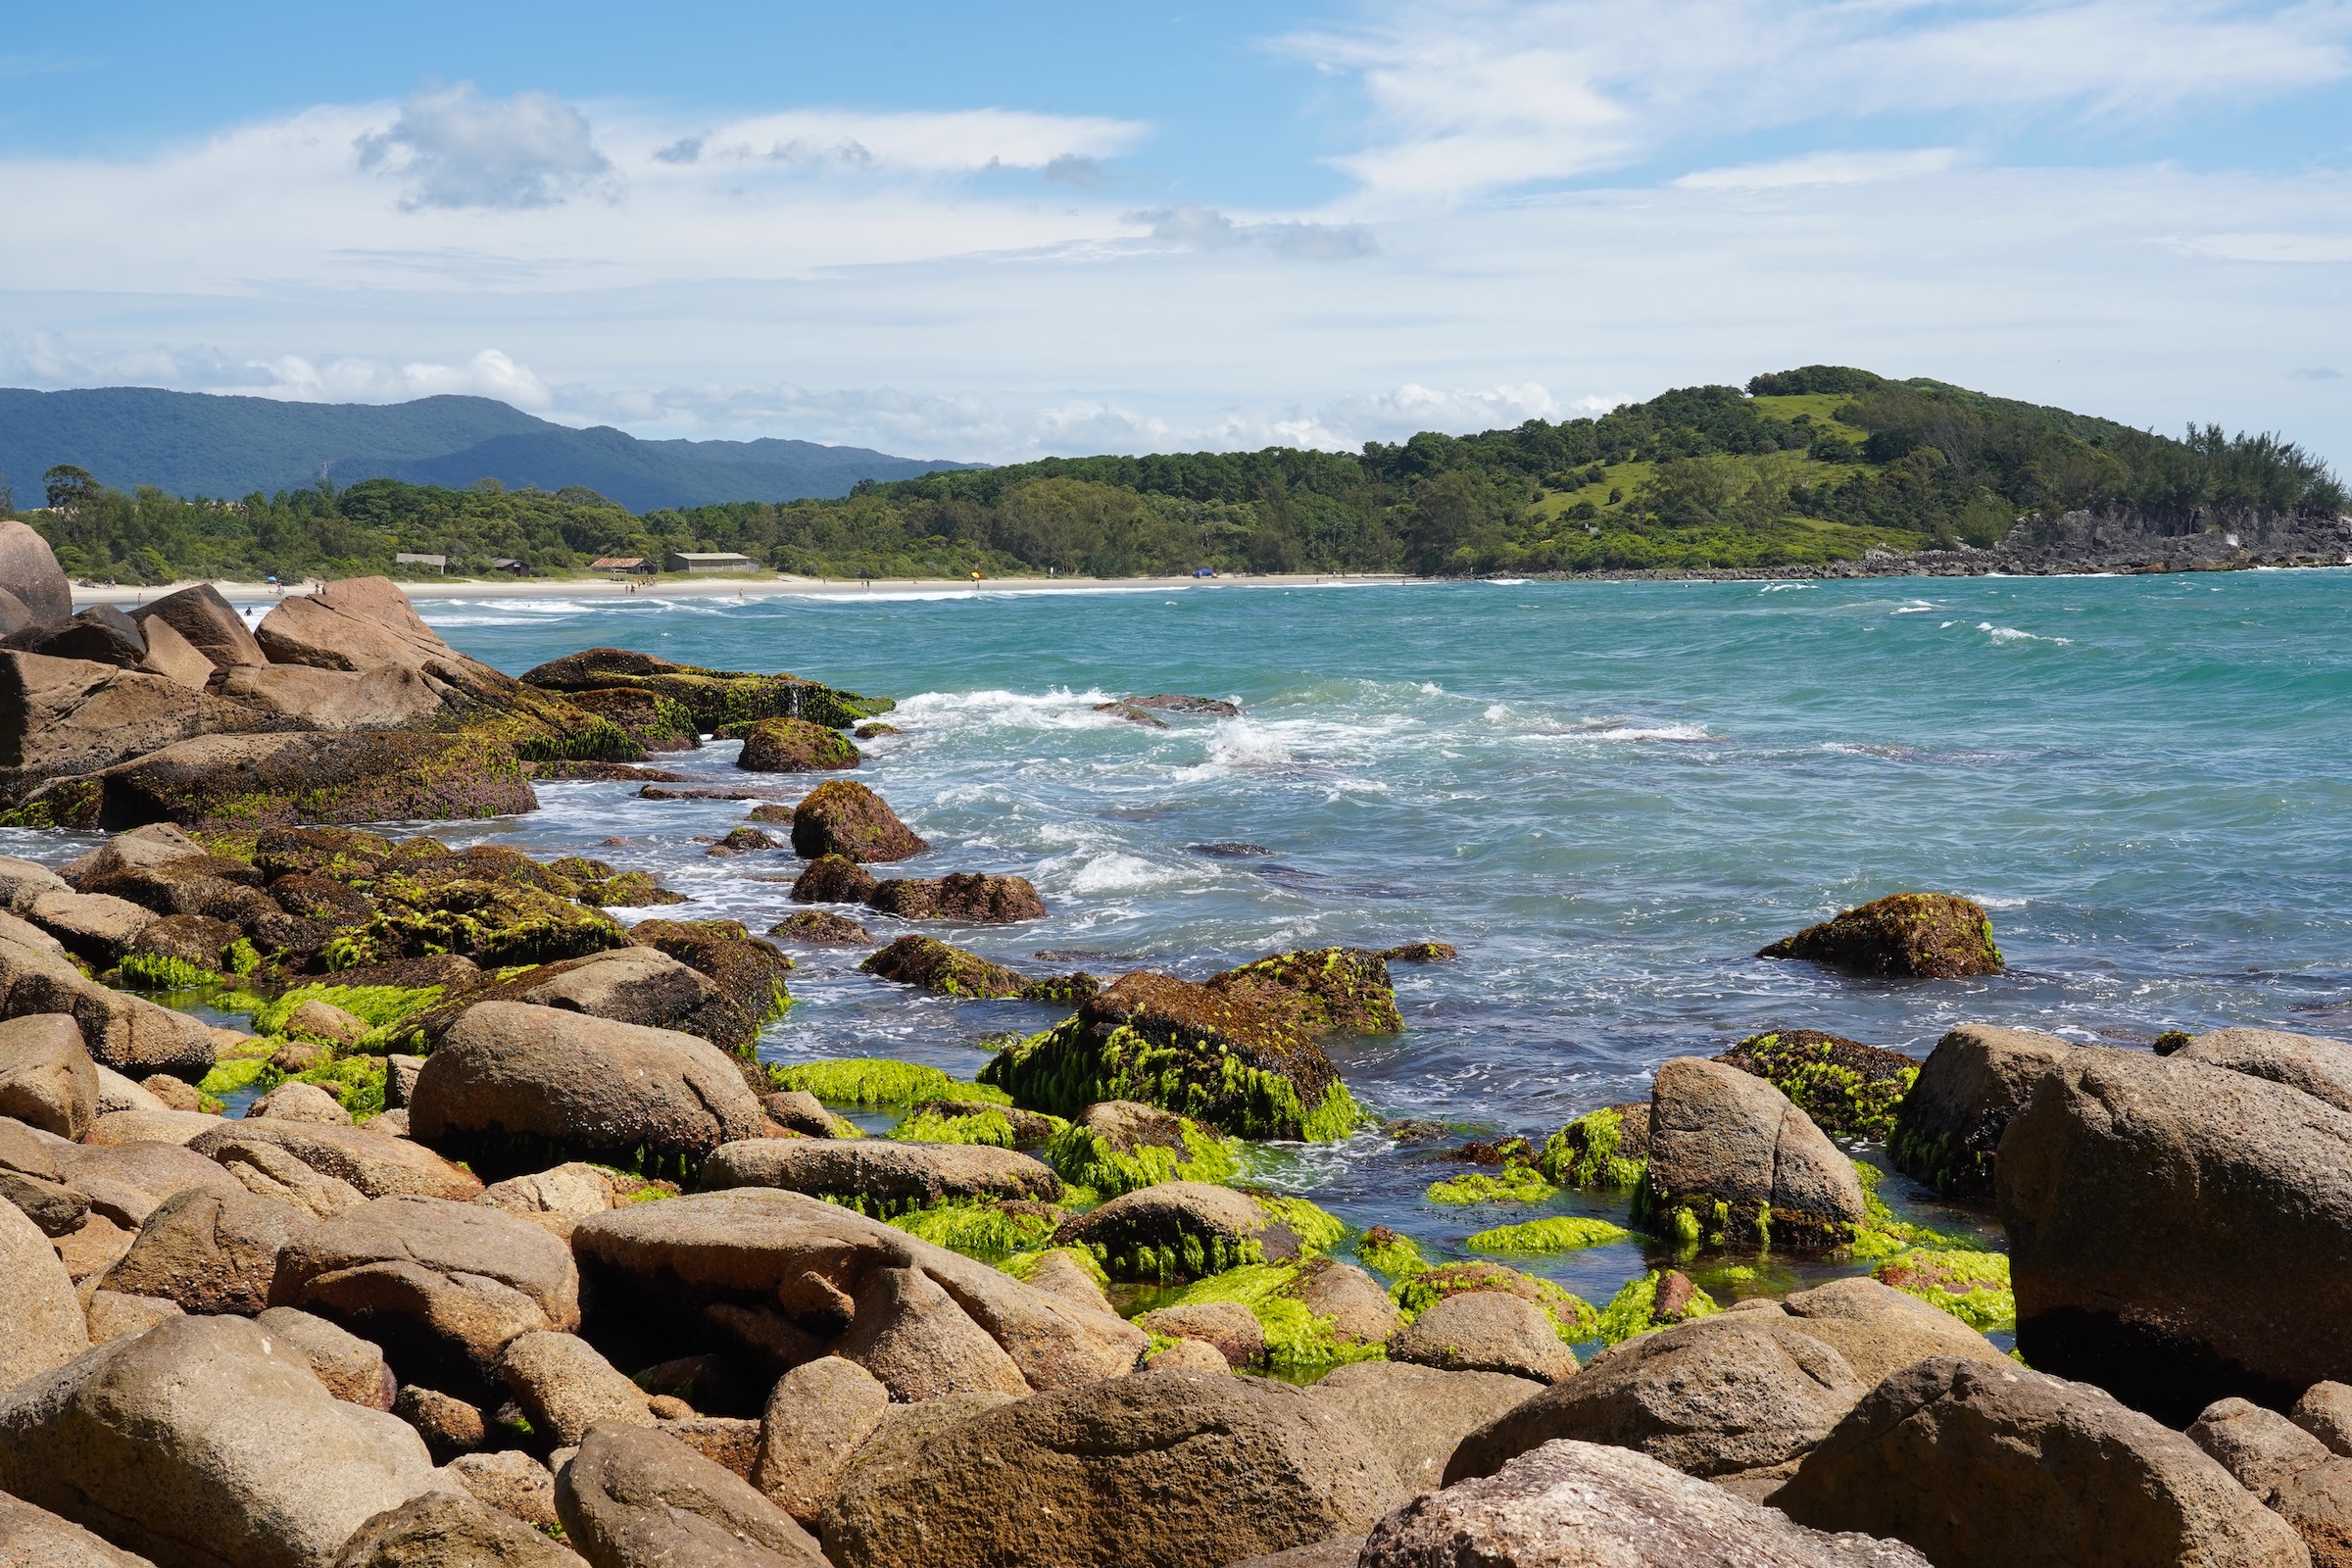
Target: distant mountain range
column 194, row 444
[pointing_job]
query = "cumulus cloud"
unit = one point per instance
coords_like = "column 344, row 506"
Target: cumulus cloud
column 455, row 148
column 487, row 374
column 1510, row 92
column 1205, row 229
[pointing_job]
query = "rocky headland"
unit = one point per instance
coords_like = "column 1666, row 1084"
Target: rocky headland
column 517, row 1254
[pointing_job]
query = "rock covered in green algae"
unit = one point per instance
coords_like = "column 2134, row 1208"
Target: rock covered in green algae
column 1324, row 991
column 833, row 879
column 1733, row 1161
column 1947, row 1130
column 967, row 897
column 1608, row 1148
column 1119, row 1146
column 716, row 698
column 1221, row 1060
column 1934, row 936
column 1572, row 1319
column 1847, row 1087
column 843, row 818
column 653, row 721
column 821, row 928
column 1187, row 1230
column 748, row 970
column 878, row 1081
column 933, row 966
column 791, row 746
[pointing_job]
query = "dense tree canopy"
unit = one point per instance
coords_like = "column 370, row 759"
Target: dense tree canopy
column 1808, row 464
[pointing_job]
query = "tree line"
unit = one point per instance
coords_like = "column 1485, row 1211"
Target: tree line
column 1700, row 477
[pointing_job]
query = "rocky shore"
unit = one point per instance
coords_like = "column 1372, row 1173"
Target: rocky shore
column 517, row 1254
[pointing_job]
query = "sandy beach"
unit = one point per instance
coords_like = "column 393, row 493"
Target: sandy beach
column 766, row 584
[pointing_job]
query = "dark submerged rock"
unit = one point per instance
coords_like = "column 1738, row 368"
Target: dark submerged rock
column 1928, row 935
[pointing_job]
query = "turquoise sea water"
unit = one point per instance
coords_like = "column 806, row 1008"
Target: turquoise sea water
column 1608, row 795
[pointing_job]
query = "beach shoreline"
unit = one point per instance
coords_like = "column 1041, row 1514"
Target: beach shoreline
column 766, row 586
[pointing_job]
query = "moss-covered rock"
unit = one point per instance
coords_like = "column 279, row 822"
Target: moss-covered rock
column 965, row 1121
column 1602, row 1149
column 866, row 1081
column 1847, row 1087
column 653, row 721
column 1936, row 936
column 748, row 970
column 970, row 897
column 1389, row 1252
column 1571, row 1318
column 1657, row 1299
column 1188, row 1230
column 1216, row 1058
column 337, row 853
column 1299, row 1341
column 497, row 924
column 230, row 781
column 1119, row 1146
column 792, row 746
column 933, row 966
column 821, row 928
column 989, row 1232
column 1318, row 992
column 1505, row 1184
column 843, row 818
column 716, row 698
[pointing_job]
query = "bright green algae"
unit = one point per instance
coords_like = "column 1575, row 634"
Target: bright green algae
column 866, row 1081
column 1562, row 1233
column 1082, row 1156
column 1063, row 1071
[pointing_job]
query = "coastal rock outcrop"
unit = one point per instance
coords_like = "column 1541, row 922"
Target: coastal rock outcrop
column 844, row 817
column 1417, row 1415
column 30, row 577
column 637, row 1498
column 1182, row 1230
column 2322, row 1068
column 1849, row 1089
column 879, row 1176
column 1934, row 936
column 47, row 1079
column 1989, row 1467
column 2161, row 1215
column 715, row 698
column 794, row 745
column 971, row 898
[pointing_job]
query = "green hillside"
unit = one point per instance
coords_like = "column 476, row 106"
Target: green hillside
column 1806, row 466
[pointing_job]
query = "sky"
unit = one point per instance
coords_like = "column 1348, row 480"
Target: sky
column 993, row 234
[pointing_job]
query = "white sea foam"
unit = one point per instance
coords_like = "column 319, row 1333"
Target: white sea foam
column 1004, row 709
column 1916, row 606
column 1505, row 582
column 1116, row 872
column 1782, row 587
column 2004, row 904
column 2010, row 634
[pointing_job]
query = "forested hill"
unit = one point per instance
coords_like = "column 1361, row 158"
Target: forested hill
column 1808, row 465
column 194, row 444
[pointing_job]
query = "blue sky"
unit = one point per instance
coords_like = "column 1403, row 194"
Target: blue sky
column 994, row 232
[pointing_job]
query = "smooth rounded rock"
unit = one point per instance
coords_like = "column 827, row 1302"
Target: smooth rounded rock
column 818, row 1416
column 1947, row 1130
column 1486, row 1331
column 633, row 1497
column 208, row 1251
column 884, row 1173
column 445, row 1530
column 46, row 1327
column 1730, row 1157
column 565, row 1387
column 1418, row 1415
column 47, row 1079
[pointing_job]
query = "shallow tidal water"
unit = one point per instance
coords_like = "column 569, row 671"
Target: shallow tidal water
column 1607, row 795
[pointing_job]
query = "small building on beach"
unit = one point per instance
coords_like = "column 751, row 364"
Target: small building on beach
column 625, row 566
column 409, row 559
column 708, row 560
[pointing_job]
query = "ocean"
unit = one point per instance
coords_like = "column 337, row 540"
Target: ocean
column 1607, row 795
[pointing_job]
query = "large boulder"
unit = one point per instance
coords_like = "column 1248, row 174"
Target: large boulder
column 35, row 1538
column 2260, row 1449
column 715, row 699
column 1583, row 1505
column 1992, row 1467
column 375, row 1164
column 638, row 1498
column 1732, row 1161
column 961, row 896
column 818, row 1416
column 1322, row 991
column 934, row 966
column 794, row 746
column 2160, row 1217
column 1158, row 1467
column 91, row 925
column 634, row 984
column 444, row 1288
column 449, row 1530
column 120, row 1031
column 513, row 1088
column 352, row 1368
column 1877, row 1330
column 336, row 700
column 197, row 1442
column 1934, row 936
column 1223, row 1060
column 46, row 1325
column 1182, row 1230
column 1716, row 1396
column 790, row 1275
column 207, row 622
column 241, row 780
column 68, row 718
column 844, row 817
column 30, row 575
column 209, row 1252
column 101, row 634
column 1486, row 1331
column 47, row 1079
column 1417, row 1415
column 878, row 1175
column 2322, row 1068
column 748, row 970
column 565, row 1387
column 1949, row 1128
column 126, row 1181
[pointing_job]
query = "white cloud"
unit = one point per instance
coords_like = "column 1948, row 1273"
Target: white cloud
column 1492, row 95
column 1205, row 229
column 488, row 374
column 1824, row 169
column 453, row 148
column 2269, row 246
